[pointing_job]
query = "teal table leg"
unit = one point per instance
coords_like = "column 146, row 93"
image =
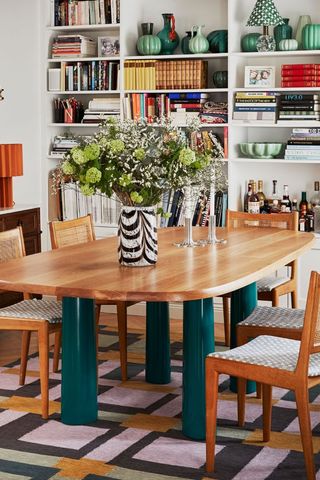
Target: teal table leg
column 79, row 362
column 243, row 302
column 158, row 343
column 198, row 341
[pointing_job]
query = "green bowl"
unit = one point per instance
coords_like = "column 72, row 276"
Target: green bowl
column 261, row 150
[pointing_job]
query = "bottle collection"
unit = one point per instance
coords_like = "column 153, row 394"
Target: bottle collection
column 255, row 201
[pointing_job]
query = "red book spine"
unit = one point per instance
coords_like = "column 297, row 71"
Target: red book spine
column 300, row 72
column 150, row 109
column 299, row 66
column 302, row 83
column 300, row 78
column 225, row 141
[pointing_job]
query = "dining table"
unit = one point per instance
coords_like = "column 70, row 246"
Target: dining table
column 84, row 273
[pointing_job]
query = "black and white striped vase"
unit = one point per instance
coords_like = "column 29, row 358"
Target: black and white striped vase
column 137, row 234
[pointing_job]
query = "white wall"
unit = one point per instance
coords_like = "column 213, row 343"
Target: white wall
column 20, row 115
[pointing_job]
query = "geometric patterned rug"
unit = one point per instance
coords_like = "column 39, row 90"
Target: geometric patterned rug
column 138, row 433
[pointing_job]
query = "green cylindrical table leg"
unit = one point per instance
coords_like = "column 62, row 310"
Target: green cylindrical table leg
column 158, row 343
column 79, row 362
column 198, row 341
column 243, row 302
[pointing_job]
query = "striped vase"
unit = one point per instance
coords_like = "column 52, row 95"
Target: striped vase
column 137, row 235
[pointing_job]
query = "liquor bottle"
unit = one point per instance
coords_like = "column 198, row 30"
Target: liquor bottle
column 275, row 207
column 246, row 196
column 260, row 193
column 303, row 205
column 286, row 205
column 265, row 208
column 310, row 219
column 294, row 205
column 315, row 199
column 275, row 195
column 253, row 200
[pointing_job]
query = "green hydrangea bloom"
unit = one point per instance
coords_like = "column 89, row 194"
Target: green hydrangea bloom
column 68, row 168
column 116, row 146
column 125, row 179
column 187, row 156
column 87, row 190
column 78, row 155
column 135, row 197
column 93, row 175
column 92, row 151
column 139, row 154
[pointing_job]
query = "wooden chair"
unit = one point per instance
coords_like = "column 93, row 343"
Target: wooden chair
column 270, row 360
column 41, row 316
column 269, row 288
column 81, row 230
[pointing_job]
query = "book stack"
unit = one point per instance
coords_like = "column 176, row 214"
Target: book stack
column 255, row 106
column 73, row 46
column 62, row 145
column 94, row 75
column 298, row 106
column 146, row 105
column 214, row 112
column 304, row 144
column 100, row 109
column 186, row 106
column 300, row 75
column 165, row 75
column 86, row 12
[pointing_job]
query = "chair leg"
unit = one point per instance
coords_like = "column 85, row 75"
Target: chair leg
column 122, row 330
column 302, row 399
column 259, row 390
column 212, row 380
column 242, row 384
column 25, row 344
column 275, row 298
column 43, row 334
column 226, row 320
column 294, row 299
column 56, row 351
column 267, row 410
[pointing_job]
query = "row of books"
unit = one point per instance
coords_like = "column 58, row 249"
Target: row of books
column 300, row 75
column 100, row 109
column 163, row 74
column 255, row 106
column 61, row 144
column 73, row 46
column 301, row 107
column 94, row 75
column 86, row 12
column 304, row 144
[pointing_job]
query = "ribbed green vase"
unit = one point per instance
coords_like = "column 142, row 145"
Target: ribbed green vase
column 311, row 37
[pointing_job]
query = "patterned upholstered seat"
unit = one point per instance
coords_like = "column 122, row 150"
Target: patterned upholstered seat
column 273, row 352
column 267, row 284
column 49, row 310
column 275, row 317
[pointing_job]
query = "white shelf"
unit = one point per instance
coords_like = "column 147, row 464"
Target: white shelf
column 293, row 124
column 78, row 28
column 272, row 160
column 76, row 125
column 183, row 90
column 285, row 53
column 55, row 157
column 84, row 92
column 209, row 56
column 277, row 89
column 82, row 59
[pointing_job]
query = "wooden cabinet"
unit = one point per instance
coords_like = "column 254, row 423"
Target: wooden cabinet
column 29, row 220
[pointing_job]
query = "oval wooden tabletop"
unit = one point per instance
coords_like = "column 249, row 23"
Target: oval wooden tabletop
column 92, row 270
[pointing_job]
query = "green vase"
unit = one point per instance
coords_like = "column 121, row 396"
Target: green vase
column 282, row 32
column 303, row 20
column 198, row 42
column 168, row 36
column 249, row 42
column 220, row 79
column 311, row 37
column 148, row 44
column 185, row 43
column 218, row 41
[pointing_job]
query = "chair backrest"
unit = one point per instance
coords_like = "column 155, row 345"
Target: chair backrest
column 288, row 221
column 71, row 232
column 11, row 244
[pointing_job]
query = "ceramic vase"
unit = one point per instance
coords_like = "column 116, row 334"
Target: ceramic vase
column 282, row 32
column 185, row 43
column 148, row 44
column 220, row 78
column 303, row 20
column 218, row 41
column 198, row 42
column 311, row 37
column 249, row 42
column 137, row 237
column 168, row 36
column 288, row 44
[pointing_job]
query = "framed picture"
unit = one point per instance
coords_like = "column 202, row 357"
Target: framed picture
column 260, row 76
column 108, row 46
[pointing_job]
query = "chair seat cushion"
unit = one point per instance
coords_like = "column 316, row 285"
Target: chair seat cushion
column 267, row 284
column 274, row 352
column 275, row 317
column 50, row 310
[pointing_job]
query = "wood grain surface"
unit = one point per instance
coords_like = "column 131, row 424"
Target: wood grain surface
column 92, row 270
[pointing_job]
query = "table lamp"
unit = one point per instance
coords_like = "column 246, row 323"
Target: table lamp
column 10, row 166
column 263, row 15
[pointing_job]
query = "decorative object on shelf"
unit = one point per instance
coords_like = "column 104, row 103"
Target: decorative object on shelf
column 303, row 20
column 282, row 32
column 185, row 43
column 11, row 165
column 168, row 36
column 259, row 76
column 198, row 42
column 288, row 44
column 261, row 150
column 148, row 44
column 220, row 78
column 249, row 42
column 108, row 46
column 218, row 41
column 1, row 94
column 311, row 36
column 264, row 15
column 138, row 163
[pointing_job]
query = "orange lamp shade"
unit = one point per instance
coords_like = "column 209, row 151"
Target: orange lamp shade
column 11, row 165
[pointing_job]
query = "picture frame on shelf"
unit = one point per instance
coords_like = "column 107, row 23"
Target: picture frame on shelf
column 108, row 46
column 259, row 76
